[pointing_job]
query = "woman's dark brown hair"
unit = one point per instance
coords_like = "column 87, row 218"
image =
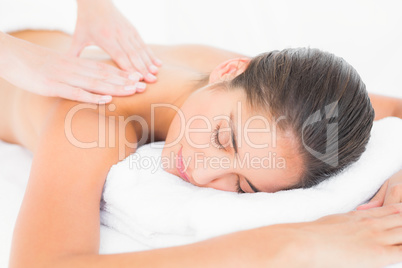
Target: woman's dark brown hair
column 323, row 103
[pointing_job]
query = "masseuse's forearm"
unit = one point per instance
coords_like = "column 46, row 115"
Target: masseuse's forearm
column 2, row 37
column 3, row 50
column 90, row 3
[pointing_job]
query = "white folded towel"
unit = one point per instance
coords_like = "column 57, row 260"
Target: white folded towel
column 159, row 209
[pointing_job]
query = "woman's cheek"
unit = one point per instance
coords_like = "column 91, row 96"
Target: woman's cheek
column 198, row 133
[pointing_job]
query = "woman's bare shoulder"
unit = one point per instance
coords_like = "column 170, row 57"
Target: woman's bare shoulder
column 195, row 56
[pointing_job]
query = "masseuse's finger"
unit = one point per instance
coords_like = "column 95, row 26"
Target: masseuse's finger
column 78, row 44
column 145, row 53
column 108, row 45
column 105, row 70
column 150, row 53
column 145, row 49
column 102, row 86
column 78, row 94
column 377, row 200
column 106, row 73
column 116, row 52
column 393, row 194
column 135, row 54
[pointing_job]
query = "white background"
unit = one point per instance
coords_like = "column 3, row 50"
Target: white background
column 366, row 33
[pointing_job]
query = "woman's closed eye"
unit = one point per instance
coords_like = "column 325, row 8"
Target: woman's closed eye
column 215, row 138
column 238, row 188
column 220, row 138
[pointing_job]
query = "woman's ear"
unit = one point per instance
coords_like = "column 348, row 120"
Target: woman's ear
column 229, row 69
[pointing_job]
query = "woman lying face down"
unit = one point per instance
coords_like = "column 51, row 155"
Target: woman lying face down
column 292, row 91
column 282, row 120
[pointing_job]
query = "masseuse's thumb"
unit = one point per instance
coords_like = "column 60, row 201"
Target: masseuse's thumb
column 77, row 45
column 377, row 200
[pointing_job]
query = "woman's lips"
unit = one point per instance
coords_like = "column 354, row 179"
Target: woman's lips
column 180, row 165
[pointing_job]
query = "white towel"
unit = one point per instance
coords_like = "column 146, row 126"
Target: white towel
column 159, row 209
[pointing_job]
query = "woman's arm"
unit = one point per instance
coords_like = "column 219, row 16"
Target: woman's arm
column 356, row 239
column 386, row 106
column 59, row 215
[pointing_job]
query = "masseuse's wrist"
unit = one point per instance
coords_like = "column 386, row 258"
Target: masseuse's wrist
column 3, row 51
column 93, row 8
column 94, row 4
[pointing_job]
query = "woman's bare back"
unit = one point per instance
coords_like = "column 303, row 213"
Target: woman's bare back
column 22, row 113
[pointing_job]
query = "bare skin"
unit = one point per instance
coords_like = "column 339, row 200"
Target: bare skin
column 178, row 78
column 49, row 214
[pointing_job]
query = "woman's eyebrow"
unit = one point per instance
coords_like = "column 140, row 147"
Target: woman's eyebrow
column 233, row 126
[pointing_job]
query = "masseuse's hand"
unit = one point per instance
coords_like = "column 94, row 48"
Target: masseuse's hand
column 100, row 23
column 389, row 193
column 49, row 73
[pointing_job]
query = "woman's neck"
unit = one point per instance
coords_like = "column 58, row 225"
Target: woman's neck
column 185, row 69
column 168, row 109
